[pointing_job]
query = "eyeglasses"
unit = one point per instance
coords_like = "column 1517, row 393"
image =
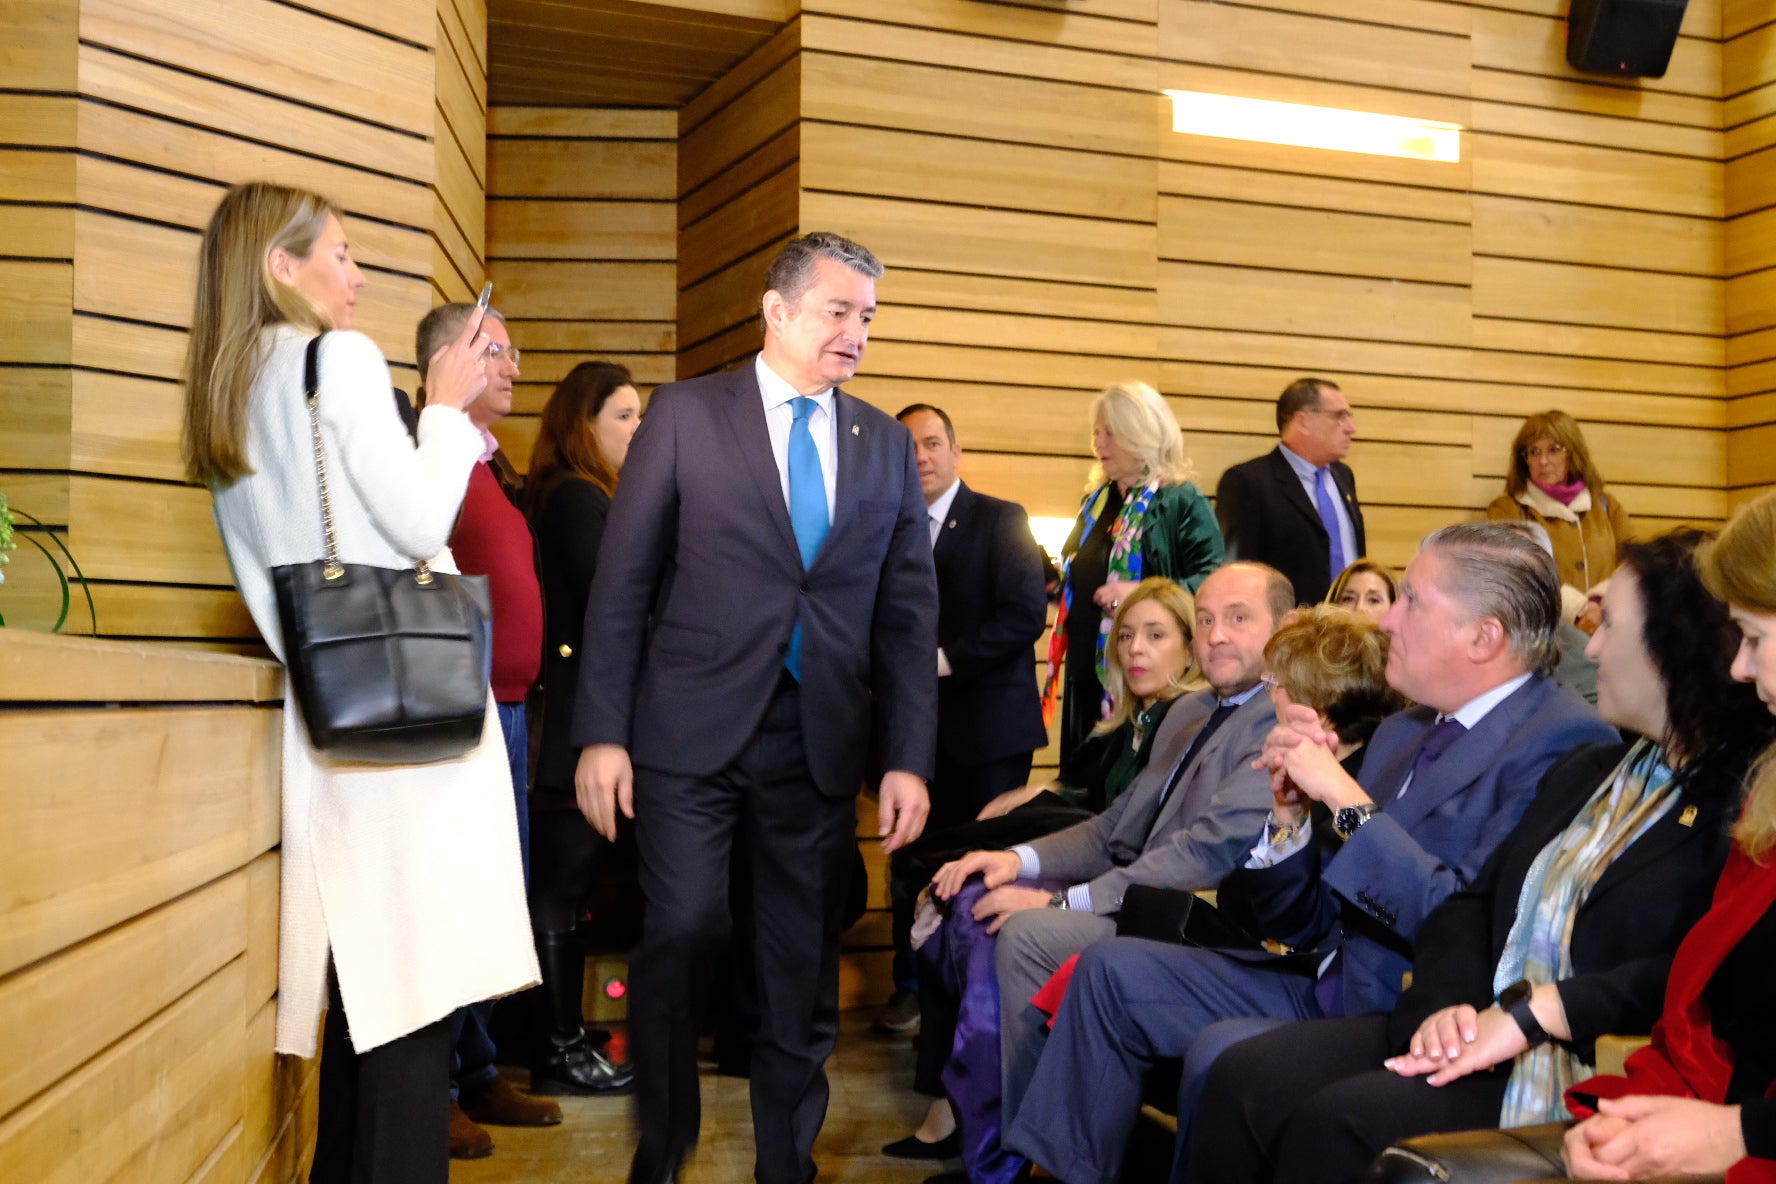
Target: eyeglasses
column 510, row 353
column 1548, row 453
column 1271, row 681
column 1342, row 416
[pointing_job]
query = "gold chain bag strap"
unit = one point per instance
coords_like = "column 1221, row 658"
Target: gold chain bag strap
column 388, row 665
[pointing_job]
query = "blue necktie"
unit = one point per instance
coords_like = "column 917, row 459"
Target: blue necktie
column 1329, row 517
column 807, row 506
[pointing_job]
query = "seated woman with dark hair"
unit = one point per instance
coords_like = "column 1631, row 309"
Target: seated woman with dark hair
column 1149, row 665
column 1567, row 933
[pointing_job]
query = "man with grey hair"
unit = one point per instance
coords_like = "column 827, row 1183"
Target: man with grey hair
column 1577, row 669
column 1471, row 641
column 763, row 616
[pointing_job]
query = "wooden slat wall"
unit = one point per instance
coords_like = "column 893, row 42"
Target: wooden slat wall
column 122, row 129
column 1749, row 85
column 459, row 188
column 739, row 197
column 138, row 933
column 581, row 246
column 1047, row 233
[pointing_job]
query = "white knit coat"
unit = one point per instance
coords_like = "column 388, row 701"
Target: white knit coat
column 410, row 874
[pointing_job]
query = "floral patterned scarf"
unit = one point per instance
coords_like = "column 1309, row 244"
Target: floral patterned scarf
column 1126, row 564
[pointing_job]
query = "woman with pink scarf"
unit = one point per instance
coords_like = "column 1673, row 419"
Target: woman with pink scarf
column 1552, row 480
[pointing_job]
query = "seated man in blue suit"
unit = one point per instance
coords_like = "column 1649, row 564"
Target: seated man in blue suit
column 1472, row 642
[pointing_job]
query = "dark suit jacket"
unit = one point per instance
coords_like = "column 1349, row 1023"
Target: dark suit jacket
column 1372, row 895
column 1266, row 515
column 1199, row 833
column 992, row 606
column 1626, row 931
column 569, row 525
column 700, row 585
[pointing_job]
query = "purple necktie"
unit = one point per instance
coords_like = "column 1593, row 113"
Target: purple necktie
column 1436, row 742
column 1329, row 518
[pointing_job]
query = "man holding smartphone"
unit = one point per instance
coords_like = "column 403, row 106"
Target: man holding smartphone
column 493, row 539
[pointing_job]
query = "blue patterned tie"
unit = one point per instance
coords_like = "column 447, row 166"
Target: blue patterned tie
column 807, row 506
column 1329, row 518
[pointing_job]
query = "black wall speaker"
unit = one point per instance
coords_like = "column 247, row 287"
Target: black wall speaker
column 1627, row 38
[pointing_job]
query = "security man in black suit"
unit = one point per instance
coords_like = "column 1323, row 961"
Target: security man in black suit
column 992, row 607
column 1296, row 507
column 991, row 610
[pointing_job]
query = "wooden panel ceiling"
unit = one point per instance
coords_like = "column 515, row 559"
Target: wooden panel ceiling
column 576, row 53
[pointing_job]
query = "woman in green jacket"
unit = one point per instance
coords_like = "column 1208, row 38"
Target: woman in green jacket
column 1141, row 517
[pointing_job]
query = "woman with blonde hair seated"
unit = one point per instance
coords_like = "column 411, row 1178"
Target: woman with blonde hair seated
column 1150, row 665
column 1142, row 516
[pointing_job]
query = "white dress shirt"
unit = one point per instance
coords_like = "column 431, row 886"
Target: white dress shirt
column 937, row 514
column 780, row 417
column 939, row 511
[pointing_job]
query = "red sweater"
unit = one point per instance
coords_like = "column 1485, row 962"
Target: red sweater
column 493, row 540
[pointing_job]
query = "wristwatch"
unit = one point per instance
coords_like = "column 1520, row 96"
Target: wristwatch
column 1514, row 1002
column 1349, row 818
column 1058, row 899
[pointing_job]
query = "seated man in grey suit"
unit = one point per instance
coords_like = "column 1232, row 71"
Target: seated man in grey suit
column 1185, row 822
column 1471, row 641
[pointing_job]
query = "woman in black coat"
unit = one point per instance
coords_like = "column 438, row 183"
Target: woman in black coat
column 583, row 438
column 1311, row 1101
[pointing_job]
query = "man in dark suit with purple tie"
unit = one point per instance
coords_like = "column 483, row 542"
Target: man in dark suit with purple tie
column 1295, row 507
column 765, row 611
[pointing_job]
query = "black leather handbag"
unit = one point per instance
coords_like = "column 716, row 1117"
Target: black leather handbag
column 387, row 665
column 1474, row 1157
column 1181, row 918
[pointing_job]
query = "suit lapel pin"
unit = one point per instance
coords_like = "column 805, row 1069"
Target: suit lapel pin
column 855, row 431
column 952, row 524
column 1688, row 817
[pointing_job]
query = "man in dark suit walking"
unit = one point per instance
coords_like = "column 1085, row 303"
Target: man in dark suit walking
column 764, row 611
column 1296, row 507
column 992, row 605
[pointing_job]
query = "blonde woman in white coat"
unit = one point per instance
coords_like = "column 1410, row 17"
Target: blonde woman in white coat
column 402, row 896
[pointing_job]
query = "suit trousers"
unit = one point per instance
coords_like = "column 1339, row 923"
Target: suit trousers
column 1131, row 1003
column 798, row 846
column 1310, row 1104
column 383, row 1114
column 1032, row 946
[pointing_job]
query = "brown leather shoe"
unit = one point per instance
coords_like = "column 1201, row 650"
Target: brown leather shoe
column 500, row 1103
column 467, row 1141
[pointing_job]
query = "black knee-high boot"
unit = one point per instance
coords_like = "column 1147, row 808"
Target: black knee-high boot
column 570, row 1064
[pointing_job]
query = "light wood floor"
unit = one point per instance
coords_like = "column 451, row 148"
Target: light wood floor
column 872, row 1104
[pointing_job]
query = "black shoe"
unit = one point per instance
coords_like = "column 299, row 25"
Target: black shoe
column 913, row 1147
column 580, row 1069
column 572, row 1062
column 900, row 1016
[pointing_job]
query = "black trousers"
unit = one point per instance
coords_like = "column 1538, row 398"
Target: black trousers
column 1309, row 1103
column 798, row 847
column 384, row 1114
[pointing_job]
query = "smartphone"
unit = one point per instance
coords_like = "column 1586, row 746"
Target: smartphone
column 481, row 306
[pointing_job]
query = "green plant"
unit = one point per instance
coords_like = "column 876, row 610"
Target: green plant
column 9, row 517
